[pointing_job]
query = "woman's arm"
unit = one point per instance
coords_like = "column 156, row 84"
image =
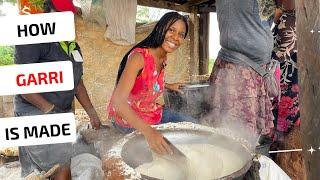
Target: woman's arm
column 174, row 87
column 120, row 102
column 84, row 100
column 277, row 15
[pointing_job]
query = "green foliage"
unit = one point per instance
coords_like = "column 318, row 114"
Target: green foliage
column 142, row 14
column 211, row 63
column 9, row 1
column 37, row 4
column 149, row 14
column 6, row 55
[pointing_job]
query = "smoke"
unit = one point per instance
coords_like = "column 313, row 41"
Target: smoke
column 197, row 102
column 238, row 127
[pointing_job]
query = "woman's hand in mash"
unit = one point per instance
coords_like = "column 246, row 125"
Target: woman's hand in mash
column 156, row 142
column 175, row 87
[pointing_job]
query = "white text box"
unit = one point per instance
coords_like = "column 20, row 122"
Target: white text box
column 37, row 28
column 36, row 78
column 37, row 130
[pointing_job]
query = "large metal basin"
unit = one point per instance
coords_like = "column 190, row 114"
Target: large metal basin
column 136, row 151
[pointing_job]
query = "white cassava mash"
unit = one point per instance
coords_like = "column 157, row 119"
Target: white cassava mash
column 204, row 161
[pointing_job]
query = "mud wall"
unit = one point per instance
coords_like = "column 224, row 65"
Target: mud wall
column 6, row 106
column 102, row 58
column 309, row 64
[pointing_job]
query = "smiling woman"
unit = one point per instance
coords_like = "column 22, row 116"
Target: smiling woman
column 136, row 101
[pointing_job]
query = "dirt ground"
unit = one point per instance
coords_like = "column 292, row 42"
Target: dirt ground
column 292, row 163
column 10, row 171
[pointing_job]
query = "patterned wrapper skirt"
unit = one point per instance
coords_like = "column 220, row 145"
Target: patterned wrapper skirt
column 238, row 97
column 287, row 111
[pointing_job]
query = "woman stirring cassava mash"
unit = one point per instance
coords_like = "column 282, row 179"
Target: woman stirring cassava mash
column 140, row 83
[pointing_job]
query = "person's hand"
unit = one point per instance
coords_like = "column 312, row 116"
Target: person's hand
column 157, row 143
column 79, row 11
column 95, row 123
column 55, row 110
column 175, row 87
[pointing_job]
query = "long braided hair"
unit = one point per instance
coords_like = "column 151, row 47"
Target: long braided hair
column 156, row 37
column 48, row 6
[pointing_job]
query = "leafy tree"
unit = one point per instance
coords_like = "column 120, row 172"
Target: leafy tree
column 9, row 1
column 142, row 14
column 149, row 14
column 211, row 63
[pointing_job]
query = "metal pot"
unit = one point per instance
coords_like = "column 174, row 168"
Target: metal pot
column 135, row 150
column 193, row 102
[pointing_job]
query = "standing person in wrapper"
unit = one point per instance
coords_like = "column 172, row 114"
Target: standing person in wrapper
column 239, row 94
column 140, row 83
column 287, row 112
column 44, row 157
